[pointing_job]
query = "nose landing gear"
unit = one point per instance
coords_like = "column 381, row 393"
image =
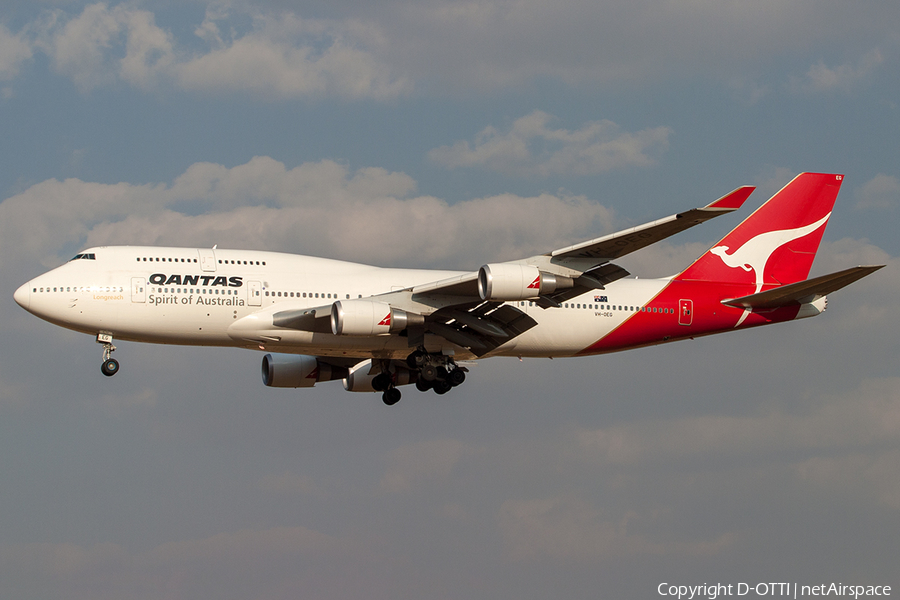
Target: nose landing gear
column 110, row 365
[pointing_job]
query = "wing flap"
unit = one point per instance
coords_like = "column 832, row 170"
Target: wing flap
column 481, row 329
column 802, row 291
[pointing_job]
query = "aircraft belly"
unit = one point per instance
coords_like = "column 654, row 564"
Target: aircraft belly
column 561, row 334
column 580, row 323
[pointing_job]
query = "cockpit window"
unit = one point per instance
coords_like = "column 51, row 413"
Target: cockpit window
column 90, row 256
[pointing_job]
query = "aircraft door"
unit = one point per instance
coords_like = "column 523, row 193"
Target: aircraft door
column 685, row 312
column 138, row 289
column 207, row 259
column 254, row 293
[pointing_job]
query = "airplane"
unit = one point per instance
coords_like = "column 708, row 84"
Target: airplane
column 377, row 329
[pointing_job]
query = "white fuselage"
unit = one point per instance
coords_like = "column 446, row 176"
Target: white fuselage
column 190, row 296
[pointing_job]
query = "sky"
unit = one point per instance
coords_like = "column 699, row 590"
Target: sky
column 446, row 134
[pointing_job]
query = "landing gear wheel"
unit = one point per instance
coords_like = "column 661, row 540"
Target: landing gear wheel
column 456, row 377
column 381, row 382
column 442, row 387
column 110, row 367
column 391, row 396
column 429, row 372
column 422, row 385
column 416, row 359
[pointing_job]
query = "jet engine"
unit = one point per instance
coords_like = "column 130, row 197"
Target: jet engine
column 293, row 371
column 365, row 317
column 360, row 380
column 505, row 281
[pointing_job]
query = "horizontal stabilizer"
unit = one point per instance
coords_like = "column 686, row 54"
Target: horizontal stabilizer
column 802, row 291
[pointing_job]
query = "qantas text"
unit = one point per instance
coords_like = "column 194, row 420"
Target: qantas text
column 210, row 280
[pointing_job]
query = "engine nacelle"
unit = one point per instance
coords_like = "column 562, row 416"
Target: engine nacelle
column 293, row 371
column 365, row 317
column 505, row 281
column 360, row 380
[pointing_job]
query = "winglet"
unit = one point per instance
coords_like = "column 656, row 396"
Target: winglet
column 734, row 200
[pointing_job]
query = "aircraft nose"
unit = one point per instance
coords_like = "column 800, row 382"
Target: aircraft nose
column 23, row 296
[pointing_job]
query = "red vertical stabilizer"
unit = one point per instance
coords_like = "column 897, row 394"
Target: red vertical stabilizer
column 775, row 245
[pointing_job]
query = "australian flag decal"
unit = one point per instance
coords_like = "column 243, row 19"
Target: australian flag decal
column 601, row 299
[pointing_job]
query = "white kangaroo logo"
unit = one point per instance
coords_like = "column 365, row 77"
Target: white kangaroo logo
column 755, row 253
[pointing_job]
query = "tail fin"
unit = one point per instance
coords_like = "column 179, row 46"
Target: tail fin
column 775, row 245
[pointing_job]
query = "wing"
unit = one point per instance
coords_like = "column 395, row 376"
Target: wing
column 465, row 318
column 587, row 263
column 624, row 242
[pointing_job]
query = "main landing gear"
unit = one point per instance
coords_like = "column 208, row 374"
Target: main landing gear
column 428, row 371
column 110, row 365
column 435, row 372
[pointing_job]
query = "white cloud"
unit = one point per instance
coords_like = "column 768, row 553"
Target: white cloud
column 282, row 56
column 80, row 47
column 378, row 49
column 316, row 208
column 504, row 43
column 882, row 191
column 14, row 50
column 845, row 77
column 531, row 147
